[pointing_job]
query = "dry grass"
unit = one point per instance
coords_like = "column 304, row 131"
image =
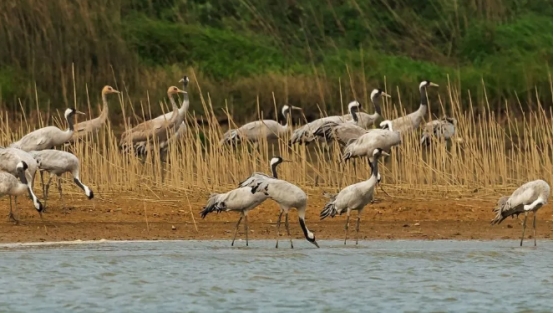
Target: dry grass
column 493, row 153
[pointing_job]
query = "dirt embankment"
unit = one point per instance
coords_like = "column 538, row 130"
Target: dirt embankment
column 170, row 215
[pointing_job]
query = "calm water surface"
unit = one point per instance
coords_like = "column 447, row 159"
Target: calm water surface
column 210, row 276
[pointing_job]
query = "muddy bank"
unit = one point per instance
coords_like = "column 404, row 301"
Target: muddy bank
column 169, row 215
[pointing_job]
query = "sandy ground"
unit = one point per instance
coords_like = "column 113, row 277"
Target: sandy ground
column 171, row 215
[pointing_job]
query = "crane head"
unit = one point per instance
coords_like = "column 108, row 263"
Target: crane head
column 378, row 93
column 22, row 166
column 354, row 104
column 427, row 83
column 277, row 160
column 185, row 80
column 174, row 90
column 386, row 124
column 70, row 112
column 379, row 152
column 286, row 109
column 108, row 89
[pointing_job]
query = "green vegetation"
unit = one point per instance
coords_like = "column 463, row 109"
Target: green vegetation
column 243, row 50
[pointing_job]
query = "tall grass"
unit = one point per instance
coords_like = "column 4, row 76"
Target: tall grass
column 490, row 152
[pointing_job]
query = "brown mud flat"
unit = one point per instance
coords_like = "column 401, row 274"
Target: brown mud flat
column 169, row 215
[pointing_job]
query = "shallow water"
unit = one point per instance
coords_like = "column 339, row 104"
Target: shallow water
column 210, row 276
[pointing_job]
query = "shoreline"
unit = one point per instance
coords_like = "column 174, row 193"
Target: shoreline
column 127, row 218
column 6, row 245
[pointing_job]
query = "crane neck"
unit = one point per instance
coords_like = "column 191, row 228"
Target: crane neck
column 185, row 105
column 104, row 113
column 21, row 176
column 70, row 123
column 423, row 95
column 287, row 115
column 302, row 220
column 274, row 170
column 174, row 107
column 377, row 105
column 374, row 171
column 353, row 113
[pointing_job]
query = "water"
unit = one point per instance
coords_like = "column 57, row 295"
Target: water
column 210, row 276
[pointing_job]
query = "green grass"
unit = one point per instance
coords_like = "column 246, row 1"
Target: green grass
column 244, row 49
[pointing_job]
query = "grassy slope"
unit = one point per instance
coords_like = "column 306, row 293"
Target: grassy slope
column 299, row 49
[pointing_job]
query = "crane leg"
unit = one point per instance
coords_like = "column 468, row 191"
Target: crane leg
column 46, row 188
column 288, row 229
column 278, row 226
column 60, row 190
column 246, row 228
column 162, row 170
column 237, row 229
column 11, row 216
column 346, row 226
column 524, row 224
column 358, row 226
column 42, row 184
column 535, row 227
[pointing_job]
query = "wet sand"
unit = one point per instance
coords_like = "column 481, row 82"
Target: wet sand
column 171, row 215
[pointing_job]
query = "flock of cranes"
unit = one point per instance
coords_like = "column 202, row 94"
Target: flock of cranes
column 20, row 161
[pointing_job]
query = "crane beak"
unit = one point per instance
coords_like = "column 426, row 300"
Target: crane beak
column 295, row 108
column 115, row 91
column 384, row 94
column 383, row 153
column 181, row 91
column 287, row 161
column 79, row 112
column 433, row 85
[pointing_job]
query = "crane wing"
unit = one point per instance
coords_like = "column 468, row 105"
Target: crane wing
column 255, row 179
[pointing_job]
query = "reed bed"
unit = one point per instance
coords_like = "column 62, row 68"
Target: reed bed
column 490, row 152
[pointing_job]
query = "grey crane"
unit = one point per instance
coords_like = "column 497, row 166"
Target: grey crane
column 375, row 138
column 413, row 120
column 56, row 163
column 47, row 137
column 256, row 130
column 444, row 128
column 354, row 197
column 305, row 134
column 9, row 160
column 529, row 197
column 152, row 130
column 343, row 133
column 287, row 195
column 180, row 127
column 10, row 186
column 242, row 199
column 350, row 130
column 92, row 126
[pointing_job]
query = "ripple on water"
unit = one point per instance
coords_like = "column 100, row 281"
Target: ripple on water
column 399, row 276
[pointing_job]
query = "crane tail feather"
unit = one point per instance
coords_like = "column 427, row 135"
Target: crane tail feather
column 329, row 210
column 215, row 207
column 503, row 210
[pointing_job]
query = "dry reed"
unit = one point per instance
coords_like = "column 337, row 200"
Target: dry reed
column 490, row 153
